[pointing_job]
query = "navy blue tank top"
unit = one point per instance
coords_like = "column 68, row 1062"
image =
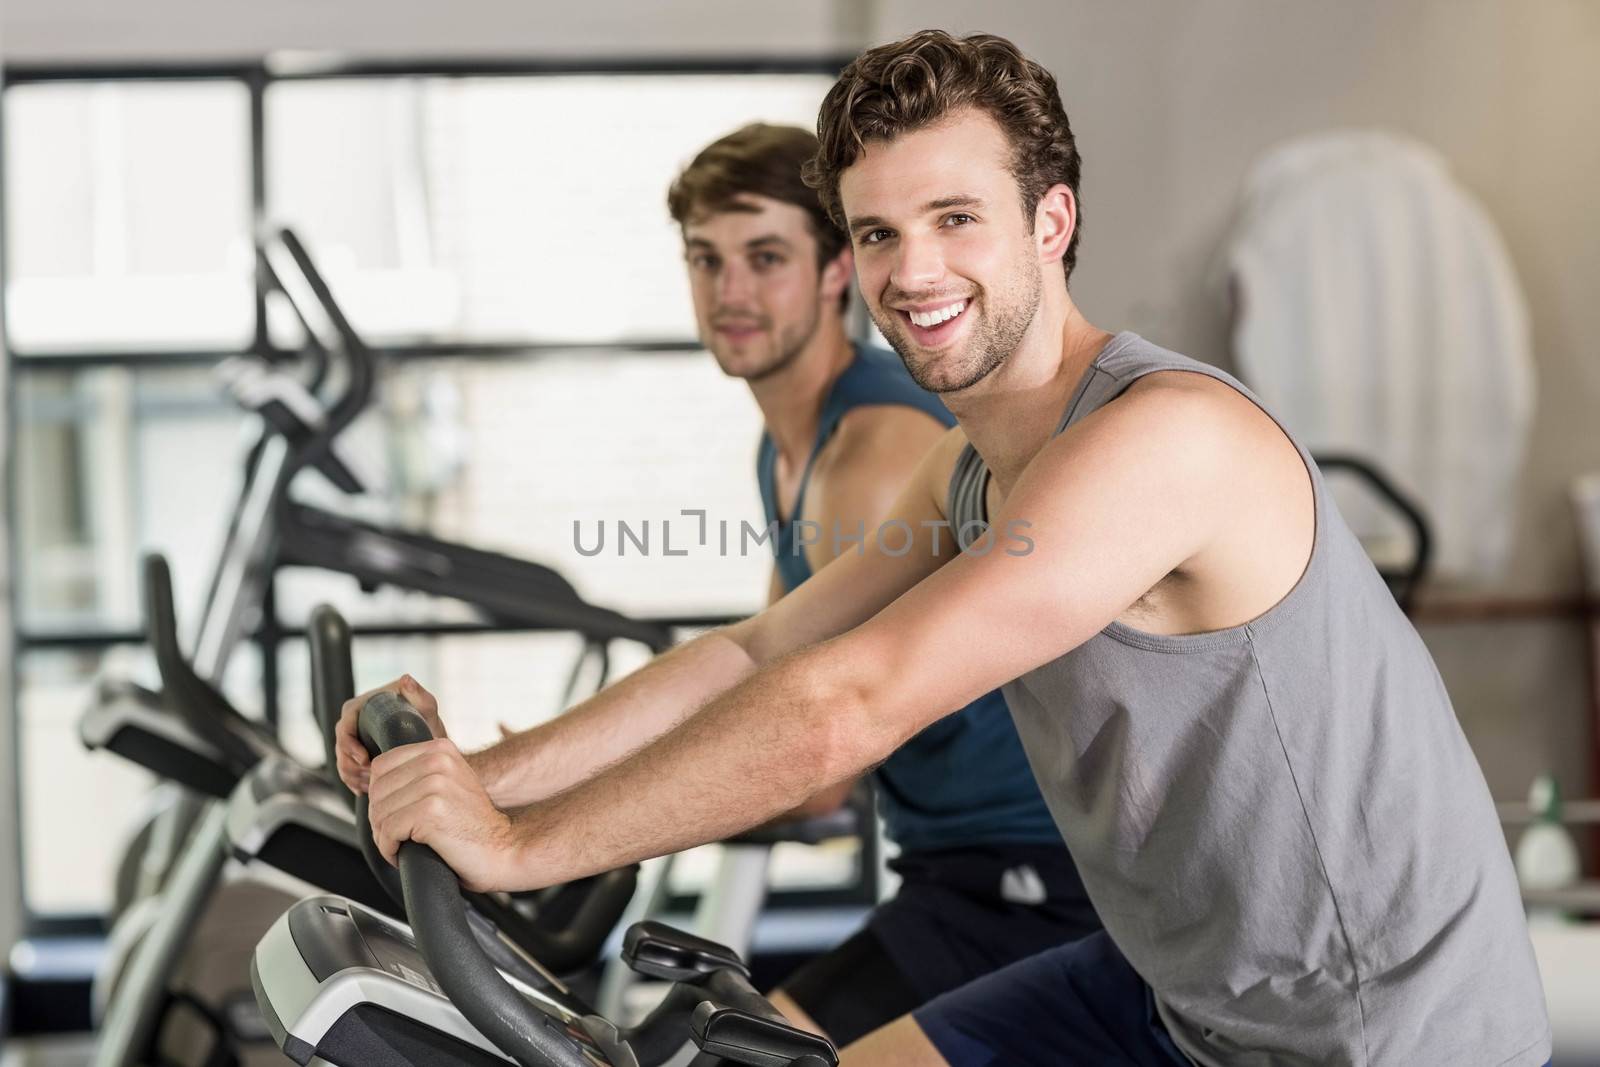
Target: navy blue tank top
column 964, row 780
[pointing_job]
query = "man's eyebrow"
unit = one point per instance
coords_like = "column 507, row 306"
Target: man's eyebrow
column 943, row 203
column 754, row 242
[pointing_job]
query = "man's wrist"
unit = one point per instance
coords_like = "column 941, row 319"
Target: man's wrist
column 487, row 767
column 531, row 855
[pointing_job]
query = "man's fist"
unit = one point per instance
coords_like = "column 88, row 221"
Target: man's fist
column 354, row 766
column 427, row 793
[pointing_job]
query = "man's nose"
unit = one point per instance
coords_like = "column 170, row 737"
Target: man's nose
column 918, row 265
column 734, row 285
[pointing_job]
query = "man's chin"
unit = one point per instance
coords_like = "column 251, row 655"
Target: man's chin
column 931, row 370
column 745, row 366
column 946, row 371
column 935, row 380
column 752, row 369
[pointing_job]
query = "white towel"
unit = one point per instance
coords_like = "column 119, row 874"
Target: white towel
column 1378, row 314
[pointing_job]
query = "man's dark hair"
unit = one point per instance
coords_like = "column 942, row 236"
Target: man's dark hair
column 914, row 83
column 757, row 160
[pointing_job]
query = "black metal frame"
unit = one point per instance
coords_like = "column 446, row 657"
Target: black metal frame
column 258, row 78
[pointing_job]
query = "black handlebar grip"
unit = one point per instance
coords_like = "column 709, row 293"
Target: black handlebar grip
column 735, row 1022
column 577, row 943
column 387, row 722
column 604, row 900
column 332, row 676
column 195, row 700
column 434, row 905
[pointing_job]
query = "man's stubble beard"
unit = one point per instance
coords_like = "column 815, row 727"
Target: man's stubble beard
column 991, row 344
column 790, row 344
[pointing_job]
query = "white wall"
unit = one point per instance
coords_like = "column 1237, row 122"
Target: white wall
column 1172, row 102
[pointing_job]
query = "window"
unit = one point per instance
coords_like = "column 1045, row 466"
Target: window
column 128, row 216
column 112, row 461
column 507, row 209
column 458, row 220
column 560, row 453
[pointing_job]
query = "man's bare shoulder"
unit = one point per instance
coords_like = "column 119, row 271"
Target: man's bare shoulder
column 1205, row 417
column 881, row 437
column 870, row 425
column 879, row 451
column 1184, row 437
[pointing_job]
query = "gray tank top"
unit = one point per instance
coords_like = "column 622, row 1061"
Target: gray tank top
column 1281, row 823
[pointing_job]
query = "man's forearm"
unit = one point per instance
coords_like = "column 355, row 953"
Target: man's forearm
column 760, row 749
column 622, row 718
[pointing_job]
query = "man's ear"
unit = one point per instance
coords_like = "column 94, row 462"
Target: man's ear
column 836, row 274
column 1055, row 219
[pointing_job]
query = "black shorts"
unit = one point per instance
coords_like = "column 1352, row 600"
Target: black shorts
column 1077, row 1003
column 960, row 914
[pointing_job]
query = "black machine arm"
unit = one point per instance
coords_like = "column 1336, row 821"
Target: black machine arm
column 332, row 676
column 207, row 712
column 1405, row 581
column 438, row 917
column 292, row 272
column 586, row 911
column 728, row 1019
column 509, row 590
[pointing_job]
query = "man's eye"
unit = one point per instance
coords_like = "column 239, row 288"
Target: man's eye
column 767, row 259
column 703, row 262
column 873, row 237
column 960, row 218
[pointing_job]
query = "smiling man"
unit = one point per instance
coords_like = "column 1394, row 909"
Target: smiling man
column 1245, row 744
column 985, row 879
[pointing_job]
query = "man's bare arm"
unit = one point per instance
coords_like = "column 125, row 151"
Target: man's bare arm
column 626, row 715
column 1129, row 495
column 829, row 800
column 862, row 472
column 648, row 703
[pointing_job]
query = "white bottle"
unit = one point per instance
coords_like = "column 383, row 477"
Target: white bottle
column 1546, row 856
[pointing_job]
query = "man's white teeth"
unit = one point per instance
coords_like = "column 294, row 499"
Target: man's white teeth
column 934, row 318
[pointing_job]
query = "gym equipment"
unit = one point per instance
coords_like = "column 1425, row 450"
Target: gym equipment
column 188, row 732
column 1404, row 579
column 342, row 985
column 284, row 818
column 208, row 744
column 305, row 823
column 731, row 902
column 268, row 531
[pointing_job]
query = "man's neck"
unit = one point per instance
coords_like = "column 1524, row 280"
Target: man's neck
column 1012, row 414
column 791, row 400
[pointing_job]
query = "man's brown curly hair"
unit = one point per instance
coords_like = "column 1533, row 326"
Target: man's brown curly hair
column 911, row 84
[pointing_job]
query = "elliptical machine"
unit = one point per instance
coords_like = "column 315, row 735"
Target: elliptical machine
column 341, row 984
column 269, row 531
column 188, row 731
column 176, row 986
